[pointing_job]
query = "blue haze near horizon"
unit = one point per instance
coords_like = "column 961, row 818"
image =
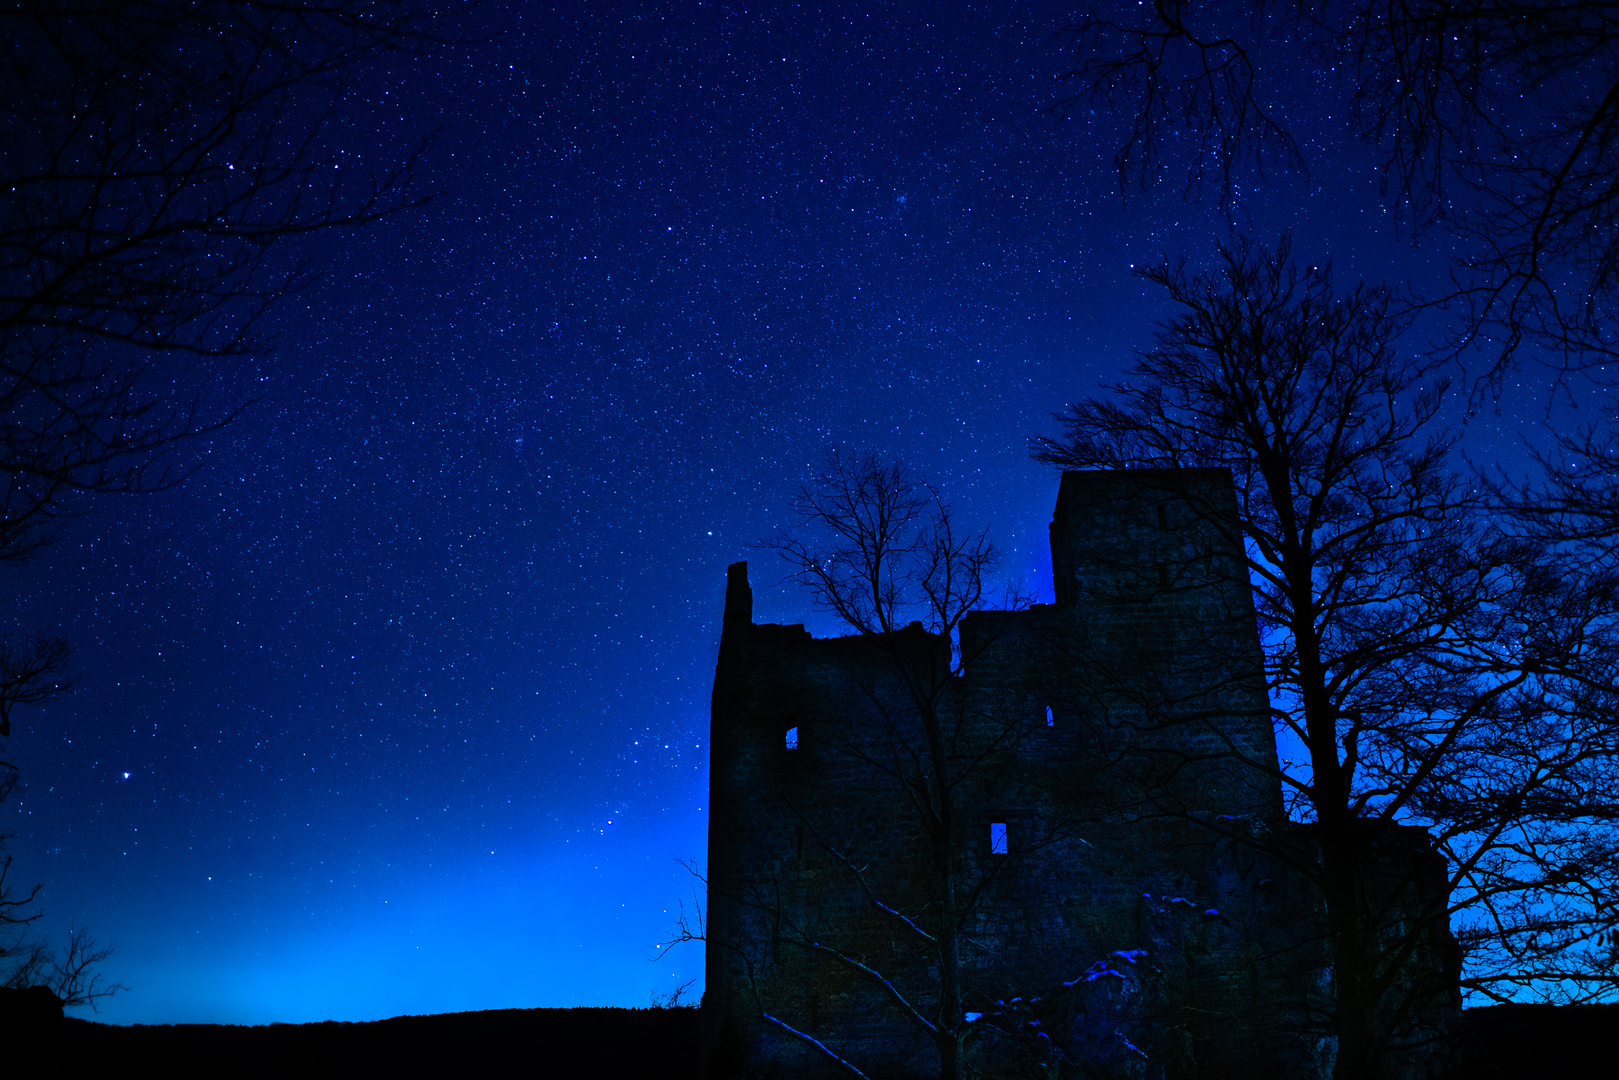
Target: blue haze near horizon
column 399, row 703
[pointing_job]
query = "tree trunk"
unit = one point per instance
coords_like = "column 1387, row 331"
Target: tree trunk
column 943, row 835
column 1351, row 948
column 1353, row 952
column 951, row 1065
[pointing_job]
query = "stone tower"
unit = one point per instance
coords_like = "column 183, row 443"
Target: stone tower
column 1126, row 887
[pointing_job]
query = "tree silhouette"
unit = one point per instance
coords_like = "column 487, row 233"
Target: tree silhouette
column 873, row 545
column 1496, row 122
column 1428, row 666
column 878, row 548
column 158, row 154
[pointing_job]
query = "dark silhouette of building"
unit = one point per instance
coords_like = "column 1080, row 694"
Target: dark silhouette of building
column 1132, row 899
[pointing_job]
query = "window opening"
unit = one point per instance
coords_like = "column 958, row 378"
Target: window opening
column 1051, row 719
column 792, row 738
column 997, row 838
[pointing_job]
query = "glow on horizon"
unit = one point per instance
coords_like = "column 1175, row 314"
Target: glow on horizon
column 580, row 928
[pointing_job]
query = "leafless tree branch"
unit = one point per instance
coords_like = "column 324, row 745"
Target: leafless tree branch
column 1437, row 667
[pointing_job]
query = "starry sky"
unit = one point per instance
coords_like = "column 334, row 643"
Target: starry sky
column 400, row 703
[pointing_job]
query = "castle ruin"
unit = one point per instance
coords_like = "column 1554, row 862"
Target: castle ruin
column 1133, row 900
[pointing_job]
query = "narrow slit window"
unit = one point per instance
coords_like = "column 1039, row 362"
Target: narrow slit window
column 1051, row 719
column 997, row 838
column 792, row 738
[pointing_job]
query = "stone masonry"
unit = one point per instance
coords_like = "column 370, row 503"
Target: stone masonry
column 1132, row 900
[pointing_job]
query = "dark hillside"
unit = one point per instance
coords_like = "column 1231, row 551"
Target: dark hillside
column 1502, row 1042
column 632, row 1044
column 1514, row 1042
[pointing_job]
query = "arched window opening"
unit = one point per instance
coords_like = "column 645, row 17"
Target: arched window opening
column 792, row 738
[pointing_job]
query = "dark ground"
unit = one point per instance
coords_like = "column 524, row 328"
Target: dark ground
column 1502, row 1042
column 1524, row 1042
column 609, row 1044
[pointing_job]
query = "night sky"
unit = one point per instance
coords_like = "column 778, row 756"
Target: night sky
column 400, row 703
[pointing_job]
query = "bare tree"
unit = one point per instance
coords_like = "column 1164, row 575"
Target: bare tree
column 159, row 155
column 32, row 670
column 1428, row 666
column 73, row 976
column 1192, row 92
column 874, row 545
column 1574, row 497
column 26, row 958
column 1558, row 952
column 879, row 549
column 1495, row 121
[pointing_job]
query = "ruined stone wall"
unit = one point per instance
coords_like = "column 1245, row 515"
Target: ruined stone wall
column 776, row 816
column 1158, row 755
column 1118, row 740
